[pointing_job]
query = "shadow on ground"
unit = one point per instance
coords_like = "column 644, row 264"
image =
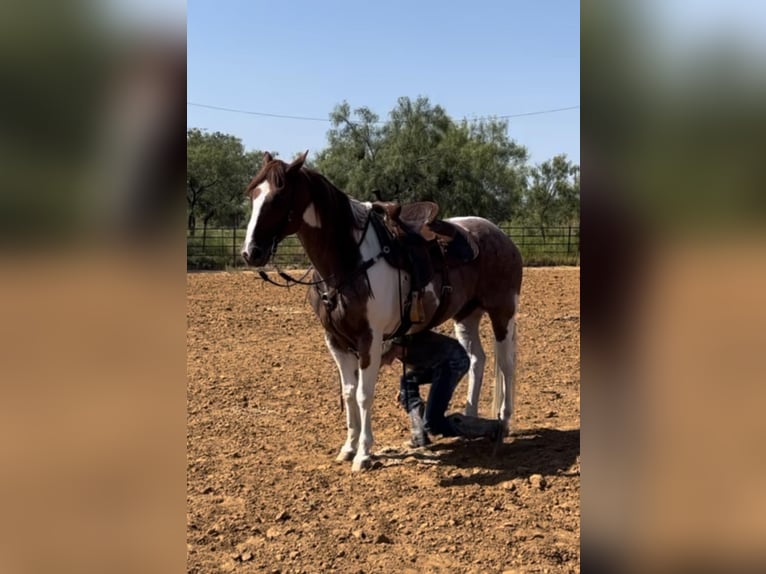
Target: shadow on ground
column 542, row 451
column 536, row 451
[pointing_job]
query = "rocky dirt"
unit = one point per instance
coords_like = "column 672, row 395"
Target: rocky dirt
column 264, row 493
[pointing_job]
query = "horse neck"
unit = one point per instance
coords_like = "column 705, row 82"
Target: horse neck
column 332, row 247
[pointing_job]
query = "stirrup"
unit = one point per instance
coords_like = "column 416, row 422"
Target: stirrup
column 417, row 312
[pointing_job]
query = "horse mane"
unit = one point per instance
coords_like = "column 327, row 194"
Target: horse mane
column 273, row 172
column 340, row 215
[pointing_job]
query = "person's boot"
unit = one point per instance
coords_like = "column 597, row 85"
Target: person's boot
column 419, row 435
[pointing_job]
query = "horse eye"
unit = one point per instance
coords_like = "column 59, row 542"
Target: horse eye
column 280, row 198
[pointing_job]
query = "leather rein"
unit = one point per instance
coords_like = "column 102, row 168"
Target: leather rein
column 330, row 295
column 327, row 295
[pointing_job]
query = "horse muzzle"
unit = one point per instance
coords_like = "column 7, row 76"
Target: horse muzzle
column 256, row 256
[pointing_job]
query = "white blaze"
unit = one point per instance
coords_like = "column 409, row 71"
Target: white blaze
column 263, row 191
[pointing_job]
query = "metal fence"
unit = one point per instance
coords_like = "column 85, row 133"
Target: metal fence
column 220, row 248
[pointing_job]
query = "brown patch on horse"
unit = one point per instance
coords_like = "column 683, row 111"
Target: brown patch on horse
column 469, row 293
column 345, row 320
column 499, row 304
column 333, row 244
column 334, row 251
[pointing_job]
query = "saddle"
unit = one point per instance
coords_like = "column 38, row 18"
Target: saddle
column 415, row 241
column 410, row 217
column 415, row 225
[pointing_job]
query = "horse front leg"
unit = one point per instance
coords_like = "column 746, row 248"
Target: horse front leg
column 369, row 366
column 347, row 367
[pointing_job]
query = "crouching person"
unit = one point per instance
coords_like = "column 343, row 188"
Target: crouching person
column 433, row 358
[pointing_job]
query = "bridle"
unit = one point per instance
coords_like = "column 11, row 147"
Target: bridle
column 329, row 296
column 289, row 279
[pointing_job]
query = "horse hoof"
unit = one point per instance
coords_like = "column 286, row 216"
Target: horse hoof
column 345, row 456
column 360, row 465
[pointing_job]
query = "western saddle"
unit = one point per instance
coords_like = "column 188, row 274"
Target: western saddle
column 415, row 241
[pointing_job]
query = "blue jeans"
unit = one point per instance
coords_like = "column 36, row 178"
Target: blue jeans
column 441, row 361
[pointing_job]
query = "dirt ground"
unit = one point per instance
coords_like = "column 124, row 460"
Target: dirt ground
column 264, row 493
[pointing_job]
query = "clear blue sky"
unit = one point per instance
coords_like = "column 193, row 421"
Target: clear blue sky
column 301, row 58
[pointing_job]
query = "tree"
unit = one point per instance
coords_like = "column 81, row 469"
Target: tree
column 553, row 194
column 353, row 144
column 469, row 168
column 217, row 171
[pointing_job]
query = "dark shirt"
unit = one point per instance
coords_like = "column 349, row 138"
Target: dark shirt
column 427, row 349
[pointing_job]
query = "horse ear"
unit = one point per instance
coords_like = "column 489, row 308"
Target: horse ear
column 267, row 157
column 298, row 162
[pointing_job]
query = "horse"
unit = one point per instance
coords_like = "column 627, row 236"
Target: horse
column 357, row 294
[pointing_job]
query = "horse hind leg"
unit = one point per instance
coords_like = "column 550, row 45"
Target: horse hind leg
column 467, row 332
column 505, row 365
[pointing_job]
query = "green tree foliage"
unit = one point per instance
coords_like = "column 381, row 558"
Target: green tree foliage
column 552, row 196
column 421, row 153
column 217, row 171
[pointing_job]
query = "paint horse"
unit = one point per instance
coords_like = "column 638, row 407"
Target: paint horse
column 358, row 294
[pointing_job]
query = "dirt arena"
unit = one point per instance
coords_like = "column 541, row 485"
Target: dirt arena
column 264, row 493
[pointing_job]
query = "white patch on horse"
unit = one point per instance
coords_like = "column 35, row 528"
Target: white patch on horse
column 263, row 191
column 505, row 375
column 311, row 217
column 505, row 371
column 471, row 218
column 464, row 219
column 467, row 332
column 347, row 366
column 382, row 307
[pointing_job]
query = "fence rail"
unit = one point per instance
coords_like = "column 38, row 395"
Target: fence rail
column 220, row 248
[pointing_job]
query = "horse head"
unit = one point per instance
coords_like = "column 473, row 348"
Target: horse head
column 279, row 197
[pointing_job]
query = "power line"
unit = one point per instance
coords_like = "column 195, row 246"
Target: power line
column 233, row 110
column 577, row 107
column 313, row 119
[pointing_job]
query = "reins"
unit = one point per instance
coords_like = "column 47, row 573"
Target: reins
column 329, row 295
column 290, row 280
